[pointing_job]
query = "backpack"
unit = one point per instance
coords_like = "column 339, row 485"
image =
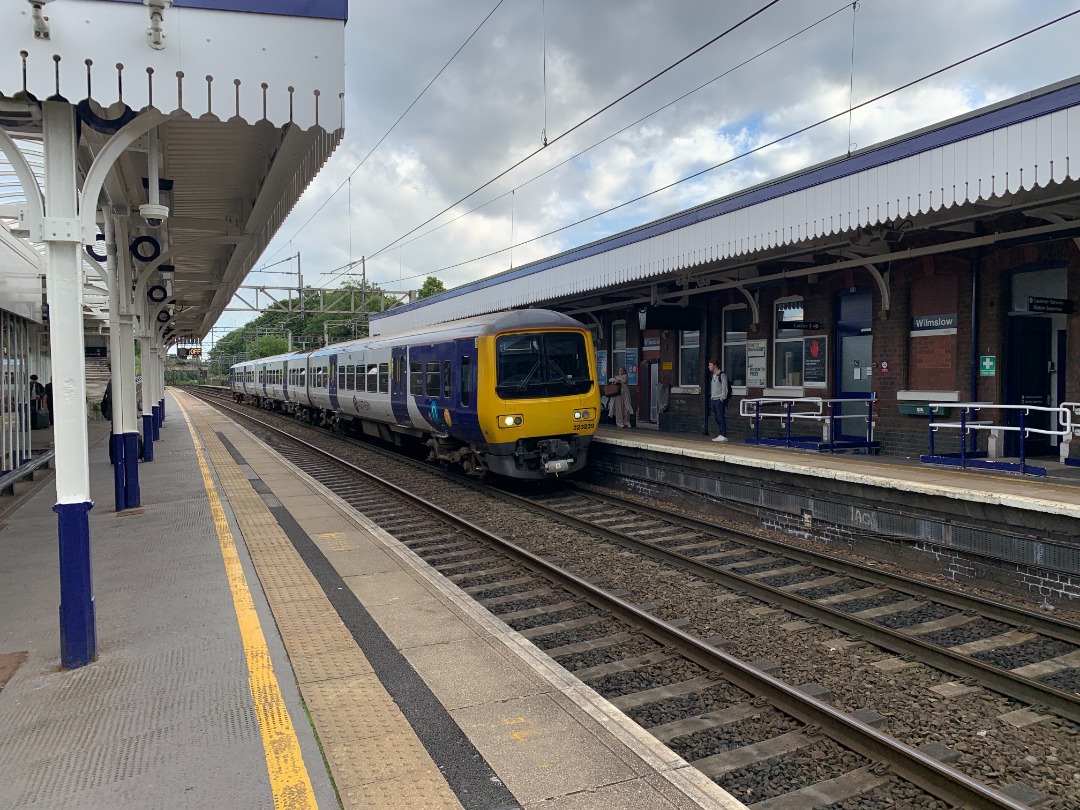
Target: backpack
column 39, row 389
column 725, row 387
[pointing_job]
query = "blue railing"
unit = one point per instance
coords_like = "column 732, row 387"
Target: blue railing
column 827, row 414
column 969, row 424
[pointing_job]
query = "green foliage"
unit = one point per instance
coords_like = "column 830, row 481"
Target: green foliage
column 432, row 286
column 266, row 346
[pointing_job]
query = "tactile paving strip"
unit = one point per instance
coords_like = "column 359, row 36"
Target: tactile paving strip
column 366, row 739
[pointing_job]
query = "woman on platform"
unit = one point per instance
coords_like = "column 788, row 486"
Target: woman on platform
column 620, row 406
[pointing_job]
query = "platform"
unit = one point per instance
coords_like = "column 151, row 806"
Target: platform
column 239, row 576
column 1006, row 532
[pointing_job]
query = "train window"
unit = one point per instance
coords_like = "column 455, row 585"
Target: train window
column 542, row 365
column 384, row 377
column 466, row 380
column 372, row 376
column 446, row 379
column 431, row 380
column 416, row 379
column 350, row 378
column 341, row 378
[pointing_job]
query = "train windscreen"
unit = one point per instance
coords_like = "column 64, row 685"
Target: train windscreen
column 545, row 364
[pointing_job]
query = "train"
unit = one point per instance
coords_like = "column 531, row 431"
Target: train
column 513, row 394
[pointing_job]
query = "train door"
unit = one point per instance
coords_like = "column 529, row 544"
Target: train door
column 285, row 380
column 464, row 406
column 399, row 384
column 332, row 383
column 854, row 327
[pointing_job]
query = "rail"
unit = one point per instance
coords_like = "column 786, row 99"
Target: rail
column 26, row 470
column 825, row 412
column 969, row 424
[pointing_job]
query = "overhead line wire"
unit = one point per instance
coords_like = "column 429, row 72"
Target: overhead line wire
column 581, row 123
column 618, row 132
column 393, row 126
column 773, row 142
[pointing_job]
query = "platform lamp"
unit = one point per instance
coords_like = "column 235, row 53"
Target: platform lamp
column 642, row 317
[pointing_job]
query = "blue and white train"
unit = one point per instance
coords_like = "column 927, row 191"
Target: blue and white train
column 510, row 393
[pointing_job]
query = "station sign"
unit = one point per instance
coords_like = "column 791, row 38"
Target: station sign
column 811, row 325
column 928, row 325
column 1039, row 303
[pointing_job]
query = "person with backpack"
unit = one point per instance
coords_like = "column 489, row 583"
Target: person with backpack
column 38, row 417
column 719, row 394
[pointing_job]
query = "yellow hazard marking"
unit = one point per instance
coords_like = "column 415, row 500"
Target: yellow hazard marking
column 289, row 781
column 519, row 736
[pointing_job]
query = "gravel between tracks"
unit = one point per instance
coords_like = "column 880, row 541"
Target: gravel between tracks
column 1042, row 755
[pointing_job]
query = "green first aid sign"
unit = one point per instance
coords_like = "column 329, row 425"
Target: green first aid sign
column 987, row 365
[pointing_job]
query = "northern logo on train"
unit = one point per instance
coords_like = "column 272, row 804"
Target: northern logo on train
column 434, row 412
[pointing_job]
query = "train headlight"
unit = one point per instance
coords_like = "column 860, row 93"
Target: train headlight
column 585, row 413
column 511, row 420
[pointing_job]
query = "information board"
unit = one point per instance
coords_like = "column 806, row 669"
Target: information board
column 756, row 363
column 815, row 357
column 631, row 366
column 601, row 365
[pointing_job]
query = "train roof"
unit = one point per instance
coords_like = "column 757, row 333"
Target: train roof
column 475, row 326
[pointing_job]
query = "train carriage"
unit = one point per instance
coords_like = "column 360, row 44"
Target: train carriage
column 511, row 393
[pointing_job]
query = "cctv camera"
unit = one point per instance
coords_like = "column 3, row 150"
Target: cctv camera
column 154, row 214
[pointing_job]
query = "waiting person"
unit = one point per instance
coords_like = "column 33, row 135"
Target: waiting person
column 49, row 400
column 620, row 406
column 37, row 392
column 719, row 394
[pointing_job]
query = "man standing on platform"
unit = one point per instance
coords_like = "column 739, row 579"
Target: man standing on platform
column 719, row 393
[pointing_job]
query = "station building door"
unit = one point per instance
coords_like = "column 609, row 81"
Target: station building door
column 1034, row 352
column 855, row 343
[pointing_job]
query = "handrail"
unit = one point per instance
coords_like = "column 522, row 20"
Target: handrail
column 25, row 470
column 818, row 409
column 968, row 426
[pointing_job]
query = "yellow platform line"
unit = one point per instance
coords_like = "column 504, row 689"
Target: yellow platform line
column 289, row 781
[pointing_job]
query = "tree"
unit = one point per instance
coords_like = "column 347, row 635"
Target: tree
column 432, row 286
column 267, row 346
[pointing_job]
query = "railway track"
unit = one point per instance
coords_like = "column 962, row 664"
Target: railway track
column 769, row 742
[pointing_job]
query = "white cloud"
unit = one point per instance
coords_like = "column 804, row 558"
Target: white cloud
column 487, row 110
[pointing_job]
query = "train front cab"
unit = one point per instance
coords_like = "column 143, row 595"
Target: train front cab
column 538, row 404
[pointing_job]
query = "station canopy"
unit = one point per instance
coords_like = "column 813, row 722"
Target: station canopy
column 244, row 100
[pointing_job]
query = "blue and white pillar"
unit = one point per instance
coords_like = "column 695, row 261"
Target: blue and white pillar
column 62, row 233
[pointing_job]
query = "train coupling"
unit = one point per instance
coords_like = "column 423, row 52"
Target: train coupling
column 557, row 465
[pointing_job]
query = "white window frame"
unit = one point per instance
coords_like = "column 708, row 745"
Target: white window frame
column 739, row 390
column 779, row 342
column 689, row 387
column 616, row 350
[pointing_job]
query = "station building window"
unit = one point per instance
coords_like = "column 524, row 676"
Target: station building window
column 788, row 344
column 736, row 320
column 618, row 347
column 689, row 358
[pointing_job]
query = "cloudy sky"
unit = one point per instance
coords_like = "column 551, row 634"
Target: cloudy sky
column 538, row 65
